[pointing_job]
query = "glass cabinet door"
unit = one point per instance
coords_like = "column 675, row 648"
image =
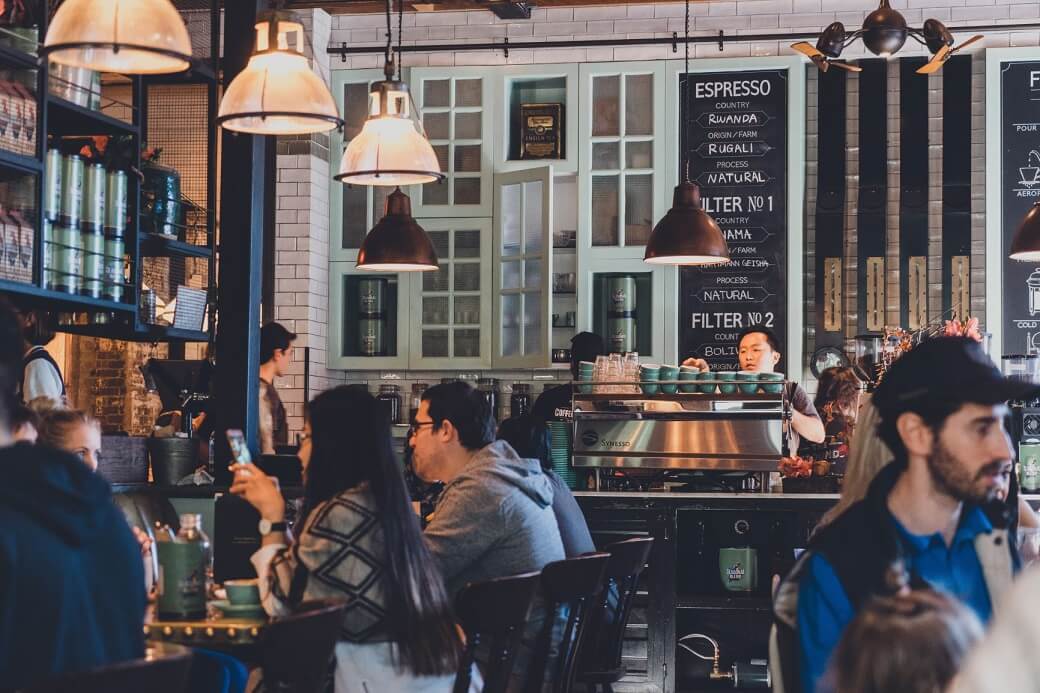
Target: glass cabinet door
column 523, row 268
column 622, row 136
column 354, row 209
column 627, row 307
column 368, row 318
column 453, row 325
column 456, row 110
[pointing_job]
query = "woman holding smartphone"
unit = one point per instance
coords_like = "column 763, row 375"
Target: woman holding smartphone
column 358, row 528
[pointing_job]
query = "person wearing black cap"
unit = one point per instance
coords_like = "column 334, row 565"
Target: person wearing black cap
column 555, row 403
column 932, row 518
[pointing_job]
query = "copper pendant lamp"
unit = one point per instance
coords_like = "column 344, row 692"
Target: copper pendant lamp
column 686, row 235
column 397, row 243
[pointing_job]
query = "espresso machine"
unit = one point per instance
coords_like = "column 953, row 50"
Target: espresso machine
column 684, row 434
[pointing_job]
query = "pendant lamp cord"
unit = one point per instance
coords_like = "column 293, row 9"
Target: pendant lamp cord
column 400, row 32
column 686, row 102
column 389, row 53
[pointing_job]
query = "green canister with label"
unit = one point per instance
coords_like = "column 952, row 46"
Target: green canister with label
column 93, row 209
column 115, row 251
column 52, row 185
column 182, row 571
column 72, row 170
column 50, row 277
column 93, row 240
column 115, row 200
column 68, row 257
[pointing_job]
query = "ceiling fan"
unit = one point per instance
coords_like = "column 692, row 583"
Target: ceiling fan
column 884, row 32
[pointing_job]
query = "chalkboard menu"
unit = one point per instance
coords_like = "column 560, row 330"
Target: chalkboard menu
column 1020, row 188
column 735, row 136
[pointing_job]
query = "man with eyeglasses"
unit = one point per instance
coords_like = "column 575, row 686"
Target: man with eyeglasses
column 494, row 517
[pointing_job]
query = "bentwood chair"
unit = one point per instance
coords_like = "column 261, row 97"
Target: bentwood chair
column 163, row 669
column 295, row 652
column 569, row 589
column 493, row 615
column 599, row 659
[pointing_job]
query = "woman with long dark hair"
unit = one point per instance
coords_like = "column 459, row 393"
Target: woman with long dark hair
column 359, row 540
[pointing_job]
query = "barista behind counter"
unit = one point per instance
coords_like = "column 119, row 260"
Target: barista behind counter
column 759, row 352
column 555, row 403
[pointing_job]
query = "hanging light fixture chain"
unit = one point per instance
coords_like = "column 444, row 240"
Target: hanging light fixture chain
column 389, row 52
column 686, row 101
column 400, row 32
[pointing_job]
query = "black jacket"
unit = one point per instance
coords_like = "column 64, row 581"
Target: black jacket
column 72, row 591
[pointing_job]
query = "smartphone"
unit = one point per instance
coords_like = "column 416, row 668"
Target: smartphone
column 239, row 449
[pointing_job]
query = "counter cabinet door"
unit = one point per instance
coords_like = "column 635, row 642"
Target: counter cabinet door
column 456, row 106
column 452, row 321
column 622, row 135
column 368, row 318
column 353, row 209
column 523, row 268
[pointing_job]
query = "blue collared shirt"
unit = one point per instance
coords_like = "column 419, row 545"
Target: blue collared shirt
column 824, row 609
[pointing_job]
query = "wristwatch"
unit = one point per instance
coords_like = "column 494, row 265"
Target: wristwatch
column 266, row 527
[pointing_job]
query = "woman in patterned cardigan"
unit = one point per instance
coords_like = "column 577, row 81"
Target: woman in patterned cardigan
column 359, row 540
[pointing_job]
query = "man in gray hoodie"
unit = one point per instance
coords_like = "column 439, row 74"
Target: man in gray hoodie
column 494, row 517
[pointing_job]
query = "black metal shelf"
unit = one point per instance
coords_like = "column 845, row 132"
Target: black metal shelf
column 198, row 73
column 156, row 245
column 20, row 162
column 12, row 57
column 67, row 119
column 145, row 333
column 61, row 301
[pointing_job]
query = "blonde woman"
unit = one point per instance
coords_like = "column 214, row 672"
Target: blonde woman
column 73, row 431
column 868, row 454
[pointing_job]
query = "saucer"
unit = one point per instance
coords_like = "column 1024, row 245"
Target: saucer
column 242, row 610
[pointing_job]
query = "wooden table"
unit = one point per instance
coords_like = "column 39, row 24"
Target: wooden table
column 235, row 636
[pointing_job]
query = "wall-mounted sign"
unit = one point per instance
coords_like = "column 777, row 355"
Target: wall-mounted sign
column 736, row 137
column 1020, row 168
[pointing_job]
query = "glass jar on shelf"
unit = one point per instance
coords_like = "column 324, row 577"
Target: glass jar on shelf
column 520, row 400
column 390, row 397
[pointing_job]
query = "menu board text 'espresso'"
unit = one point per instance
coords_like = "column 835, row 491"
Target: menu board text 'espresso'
column 736, row 145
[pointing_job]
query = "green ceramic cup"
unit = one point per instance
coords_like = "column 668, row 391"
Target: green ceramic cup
column 726, row 388
column 669, row 373
column 242, row 592
column 649, row 373
column 688, row 378
column 748, row 388
column 773, row 388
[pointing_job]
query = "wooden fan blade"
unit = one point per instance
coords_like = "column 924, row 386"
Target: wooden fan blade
column 933, row 65
column 847, row 66
column 973, row 39
column 806, row 48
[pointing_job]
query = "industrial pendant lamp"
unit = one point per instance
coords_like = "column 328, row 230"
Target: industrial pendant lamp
column 686, row 235
column 397, row 243
column 1025, row 246
column 141, row 37
column 391, row 148
column 277, row 93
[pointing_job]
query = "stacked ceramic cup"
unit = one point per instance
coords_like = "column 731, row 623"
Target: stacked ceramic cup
column 586, row 374
column 649, row 374
column 560, row 452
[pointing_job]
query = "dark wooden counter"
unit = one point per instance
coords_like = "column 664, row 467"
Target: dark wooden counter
column 681, row 591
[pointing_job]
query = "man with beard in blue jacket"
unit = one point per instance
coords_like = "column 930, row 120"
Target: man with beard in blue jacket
column 72, row 594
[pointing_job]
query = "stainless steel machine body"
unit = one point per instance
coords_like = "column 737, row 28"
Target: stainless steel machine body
column 723, row 432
